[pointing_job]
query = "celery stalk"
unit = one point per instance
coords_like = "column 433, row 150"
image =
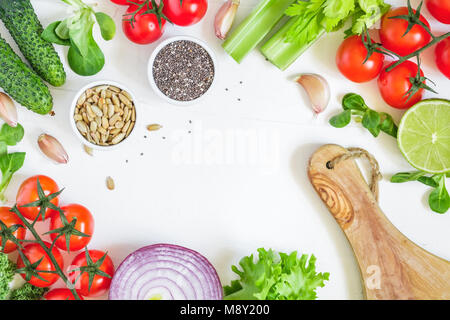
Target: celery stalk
column 282, row 53
column 255, row 27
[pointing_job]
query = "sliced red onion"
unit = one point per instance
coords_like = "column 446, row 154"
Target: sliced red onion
column 165, row 272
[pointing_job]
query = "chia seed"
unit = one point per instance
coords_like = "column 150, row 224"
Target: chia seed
column 183, row 70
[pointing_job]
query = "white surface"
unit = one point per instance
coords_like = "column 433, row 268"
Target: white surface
column 224, row 198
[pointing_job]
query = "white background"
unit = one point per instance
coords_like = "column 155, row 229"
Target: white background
column 226, row 209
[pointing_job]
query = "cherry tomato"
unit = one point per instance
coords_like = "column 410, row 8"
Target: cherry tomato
column 187, row 14
column 28, row 193
column 84, row 224
column 9, row 219
column 34, row 253
column 100, row 284
column 61, row 294
column 395, row 84
column 350, row 61
column 122, row 2
column 440, row 9
column 392, row 31
column 443, row 56
column 145, row 29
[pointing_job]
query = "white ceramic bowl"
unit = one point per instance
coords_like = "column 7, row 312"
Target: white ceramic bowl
column 74, row 104
column 152, row 60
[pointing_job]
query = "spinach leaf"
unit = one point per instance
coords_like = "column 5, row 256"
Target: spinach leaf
column 9, row 164
column 11, row 135
column 439, row 199
column 342, row 119
column 407, row 176
column 107, row 25
column 62, row 30
column 353, row 101
column 90, row 64
column 50, row 35
column 387, row 124
column 79, row 32
column 371, row 121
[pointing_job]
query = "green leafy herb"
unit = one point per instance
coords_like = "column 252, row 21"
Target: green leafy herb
column 439, row 199
column 276, row 277
column 9, row 162
column 85, row 56
column 354, row 105
column 28, row 292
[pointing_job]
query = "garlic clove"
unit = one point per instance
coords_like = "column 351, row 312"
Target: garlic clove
column 52, row 148
column 225, row 18
column 318, row 90
column 8, row 111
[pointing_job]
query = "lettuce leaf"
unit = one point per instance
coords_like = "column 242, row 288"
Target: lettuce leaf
column 276, row 277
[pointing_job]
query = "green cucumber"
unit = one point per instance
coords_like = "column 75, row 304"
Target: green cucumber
column 23, row 24
column 22, row 83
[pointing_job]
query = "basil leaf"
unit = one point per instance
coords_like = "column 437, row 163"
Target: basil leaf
column 407, row 176
column 371, row 121
column 11, row 135
column 50, row 35
column 80, row 32
column 90, row 64
column 387, row 124
column 107, row 25
column 439, row 199
column 342, row 119
column 353, row 101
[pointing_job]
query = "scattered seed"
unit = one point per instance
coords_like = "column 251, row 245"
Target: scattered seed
column 88, row 150
column 154, row 127
column 110, row 183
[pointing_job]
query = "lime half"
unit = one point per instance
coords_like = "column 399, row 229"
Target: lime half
column 424, row 136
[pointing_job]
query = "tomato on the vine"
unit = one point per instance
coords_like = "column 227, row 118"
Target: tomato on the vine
column 185, row 12
column 84, row 224
column 61, row 294
column 393, row 37
column 350, row 60
column 146, row 28
column 10, row 219
column 100, row 284
column 443, row 56
column 395, row 84
column 124, row 2
column 34, row 252
column 440, row 9
column 28, row 193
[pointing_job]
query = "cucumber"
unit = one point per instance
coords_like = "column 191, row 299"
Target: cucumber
column 26, row 29
column 22, row 83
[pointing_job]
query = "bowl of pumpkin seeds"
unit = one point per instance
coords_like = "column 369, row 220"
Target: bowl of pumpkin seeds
column 103, row 114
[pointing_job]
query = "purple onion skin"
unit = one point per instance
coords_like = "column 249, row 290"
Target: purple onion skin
column 211, row 289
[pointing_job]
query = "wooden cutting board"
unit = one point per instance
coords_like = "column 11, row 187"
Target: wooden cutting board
column 392, row 267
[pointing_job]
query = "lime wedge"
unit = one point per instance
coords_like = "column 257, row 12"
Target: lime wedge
column 424, row 136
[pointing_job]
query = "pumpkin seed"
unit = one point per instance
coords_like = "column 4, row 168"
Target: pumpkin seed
column 118, row 138
column 110, row 183
column 88, row 150
column 82, row 127
column 82, row 99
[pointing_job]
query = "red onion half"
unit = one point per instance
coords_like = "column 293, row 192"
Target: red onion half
column 165, row 272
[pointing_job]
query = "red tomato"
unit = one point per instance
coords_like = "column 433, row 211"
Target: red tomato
column 392, row 31
column 350, row 57
column 189, row 13
column 61, row 294
column 34, row 253
column 440, row 9
column 28, row 193
column 443, row 56
column 85, row 224
column 395, row 84
column 100, row 284
column 145, row 29
column 9, row 219
column 122, row 2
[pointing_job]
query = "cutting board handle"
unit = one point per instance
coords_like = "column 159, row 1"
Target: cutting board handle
column 392, row 267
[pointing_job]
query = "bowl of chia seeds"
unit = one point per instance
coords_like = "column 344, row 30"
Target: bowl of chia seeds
column 182, row 70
